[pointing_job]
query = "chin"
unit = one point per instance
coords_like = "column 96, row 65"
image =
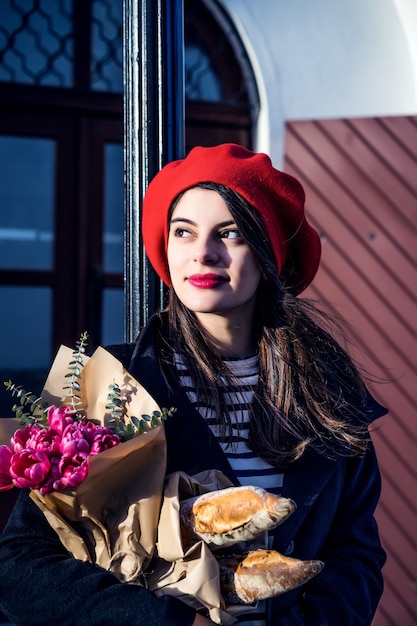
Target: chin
column 199, row 304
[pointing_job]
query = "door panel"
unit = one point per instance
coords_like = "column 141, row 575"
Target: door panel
column 61, row 239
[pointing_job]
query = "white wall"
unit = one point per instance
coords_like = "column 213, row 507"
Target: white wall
column 328, row 59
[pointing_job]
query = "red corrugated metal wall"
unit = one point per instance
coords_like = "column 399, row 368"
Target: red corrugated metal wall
column 360, row 177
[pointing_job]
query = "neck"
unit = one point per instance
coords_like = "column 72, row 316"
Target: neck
column 233, row 337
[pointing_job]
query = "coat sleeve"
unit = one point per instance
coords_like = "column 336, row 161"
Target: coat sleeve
column 41, row 583
column 349, row 588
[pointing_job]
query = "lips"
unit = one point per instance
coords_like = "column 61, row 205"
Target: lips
column 207, row 281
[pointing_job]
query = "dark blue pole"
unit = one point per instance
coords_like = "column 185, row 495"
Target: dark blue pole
column 153, row 133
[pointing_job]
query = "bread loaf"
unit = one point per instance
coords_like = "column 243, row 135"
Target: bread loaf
column 262, row 574
column 228, row 516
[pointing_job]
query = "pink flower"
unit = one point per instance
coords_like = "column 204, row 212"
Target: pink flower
column 20, row 439
column 74, row 440
column 73, row 470
column 53, row 476
column 103, row 439
column 5, row 458
column 29, row 469
column 45, row 440
column 87, row 437
column 59, row 417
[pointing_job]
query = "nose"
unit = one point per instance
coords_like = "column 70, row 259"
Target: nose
column 206, row 250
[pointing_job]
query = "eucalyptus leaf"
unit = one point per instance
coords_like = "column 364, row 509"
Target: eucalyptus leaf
column 136, row 421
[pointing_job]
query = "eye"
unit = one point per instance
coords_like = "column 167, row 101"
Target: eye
column 181, row 233
column 230, row 233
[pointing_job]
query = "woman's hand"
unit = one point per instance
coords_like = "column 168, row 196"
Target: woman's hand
column 201, row 621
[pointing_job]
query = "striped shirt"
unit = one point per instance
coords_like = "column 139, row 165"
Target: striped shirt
column 249, row 468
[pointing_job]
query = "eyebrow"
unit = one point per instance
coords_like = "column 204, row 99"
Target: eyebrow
column 187, row 221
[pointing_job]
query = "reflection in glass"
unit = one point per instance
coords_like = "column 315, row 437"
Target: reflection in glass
column 26, row 343
column 112, row 325
column 201, row 81
column 113, row 208
column 27, row 202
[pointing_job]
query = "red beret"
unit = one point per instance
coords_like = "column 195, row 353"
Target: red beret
column 277, row 196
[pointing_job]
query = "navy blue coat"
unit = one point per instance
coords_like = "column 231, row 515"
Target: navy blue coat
column 334, row 521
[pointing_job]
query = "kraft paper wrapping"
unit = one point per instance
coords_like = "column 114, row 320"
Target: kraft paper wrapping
column 126, row 513
column 118, row 504
column 117, row 507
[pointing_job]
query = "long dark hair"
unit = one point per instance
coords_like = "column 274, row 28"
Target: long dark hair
column 310, row 393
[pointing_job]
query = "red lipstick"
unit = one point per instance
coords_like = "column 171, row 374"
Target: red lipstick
column 207, row 281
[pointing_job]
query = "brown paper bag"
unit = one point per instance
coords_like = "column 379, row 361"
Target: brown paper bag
column 190, row 573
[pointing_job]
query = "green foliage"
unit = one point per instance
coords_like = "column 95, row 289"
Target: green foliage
column 72, row 398
column 125, row 427
column 29, row 408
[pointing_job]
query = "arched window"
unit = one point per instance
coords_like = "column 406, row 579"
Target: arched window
column 221, row 94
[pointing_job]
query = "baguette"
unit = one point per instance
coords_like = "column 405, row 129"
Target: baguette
column 262, row 574
column 228, row 516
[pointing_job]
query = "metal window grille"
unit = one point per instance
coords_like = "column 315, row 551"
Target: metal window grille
column 43, row 41
column 107, row 53
column 48, row 43
column 36, row 44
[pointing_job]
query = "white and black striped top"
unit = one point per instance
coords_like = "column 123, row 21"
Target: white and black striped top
column 249, row 468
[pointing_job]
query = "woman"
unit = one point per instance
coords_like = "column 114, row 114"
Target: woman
column 263, row 393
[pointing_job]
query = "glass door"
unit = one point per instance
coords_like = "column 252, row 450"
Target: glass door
column 36, row 192
column 61, row 240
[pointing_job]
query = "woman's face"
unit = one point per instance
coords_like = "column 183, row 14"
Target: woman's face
column 212, row 268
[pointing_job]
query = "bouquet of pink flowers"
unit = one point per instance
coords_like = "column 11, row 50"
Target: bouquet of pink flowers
column 54, row 458
column 51, row 451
